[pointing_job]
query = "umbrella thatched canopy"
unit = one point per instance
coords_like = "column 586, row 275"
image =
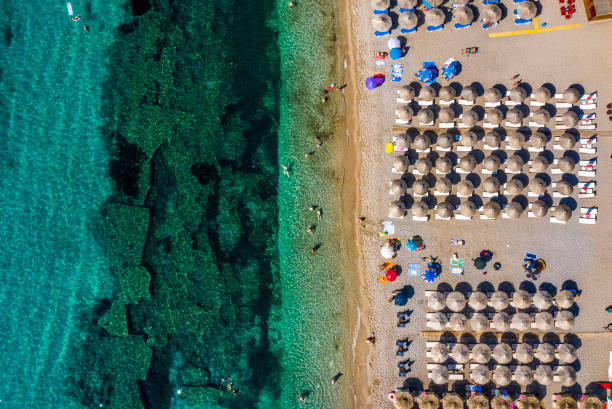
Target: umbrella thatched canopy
column 436, row 301
column 445, row 210
column 566, row 402
column 565, row 299
column 469, row 93
column 565, row 187
column 502, row 376
column 502, row 353
column 481, row 353
column 524, row 353
column 498, row 401
column 540, row 164
column 428, row 93
column 515, row 115
column 515, row 186
column 501, row 321
column 570, row 119
column 428, row 400
column 500, row 300
column 544, row 321
column 563, row 212
column 479, row 322
column 407, row 4
column 443, row 185
column 523, row 375
column 422, row 141
column 492, row 163
column 515, row 209
column 446, row 115
column 452, row 401
column 445, row 139
column 491, row 184
column 478, row 300
column 541, row 116
column 521, row 321
column 447, row 93
column 538, row 140
column 591, row 402
column 537, row 186
column 478, row 401
column 468, row 208
column 516, row 140
column 420, row 186
column 408, row 20
column 403, row 400
column 528, row 402
column 423, row 165
column 571, row 95
column 444, row 164
column 544, row 374
column 469, row 118
column 542, row 300
column 566, row 164
column 491, row 13
column 567, row 376
column 567, row 353
column 434, row 17
column 515, row 163
column 401, row 163
column 495, row 116
column 438, row 321
column 436, row 3
column 455, row 301
column 397, row 209
column 567, row 141
column 405, row 113
column 492, row 139
column 380, row 4
column 518, row 94
column 492, row 95
column 460, row 353
column 398, row 187
column 468, row 139
column 420, row 209
column 439, row 352
column 542, row 94
column 521, row 299
column 526, row 9
column 407, row 93
column 545, row 353
column 539, row 208
column 480, row 375
column 402, row 142
column 491, row 209
column 381, row 22
column 463, row 15
column 467, row 163
column 457, row 322
column 425, row 116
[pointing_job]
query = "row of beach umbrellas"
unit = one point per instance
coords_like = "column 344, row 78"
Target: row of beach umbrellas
column 503, row 375
column 502, row 321
column 503, row 354
column 499, row 300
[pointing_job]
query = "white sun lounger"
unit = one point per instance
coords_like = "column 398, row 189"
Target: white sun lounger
column 438, row 193
column 442, row 218
column 425, row 103
column 402, row 101
column 461, row 148
column 443, row 102
column 492, row 104
column 484, row 217
column 429, row 293
column 487, row 194
column 489, row 125
column 459, row 216
column 512, row 103
column 584, row 220
column 511, row 125
column 401, row 122
column 536, row 104
column 587, row 173
column 490, row 148
column 420, row 219
column 587, row 150
column 588, row 106
column 553, row 219
column 427, row 124
column 439, row 148
column 465, row 102
column 446, row 125
column 588, row 210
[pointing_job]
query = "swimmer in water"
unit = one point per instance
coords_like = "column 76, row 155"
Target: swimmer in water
column 76, row 18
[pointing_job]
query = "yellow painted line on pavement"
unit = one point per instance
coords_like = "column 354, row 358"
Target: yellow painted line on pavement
column 534, row 30
column 535, row 23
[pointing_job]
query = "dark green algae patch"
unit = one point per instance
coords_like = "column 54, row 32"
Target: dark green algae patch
column 190, row 233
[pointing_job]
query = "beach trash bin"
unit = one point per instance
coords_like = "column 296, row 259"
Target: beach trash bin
column 411, row 245
column 395, row 53
column 389, row 147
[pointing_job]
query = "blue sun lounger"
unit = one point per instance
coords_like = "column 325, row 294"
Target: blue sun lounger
column 408, row 30
column 402, row 10
column 426, row 4
column 434, row 28
column 382, row 33
column 490, row 2
column 385, row 11
column 458, row 26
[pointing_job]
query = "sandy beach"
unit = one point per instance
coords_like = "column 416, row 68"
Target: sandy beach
column 574, row 253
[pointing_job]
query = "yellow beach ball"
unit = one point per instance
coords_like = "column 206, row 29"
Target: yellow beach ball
column 389, row 147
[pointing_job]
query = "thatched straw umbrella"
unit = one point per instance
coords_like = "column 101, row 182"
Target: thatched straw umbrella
column 434, row 17
column 526, row 9
column 524, row 353
column 445, row 139
column 521, row 321
column 528, row 402
column 402, row 142
column 492, row 95
column 515, row 186
column 570, row 119
column 469, row 118
column 422, row 141
column 452, row 401
column 425, row 116
column 436, row 301
column 439, row 352
column 498, row 401
column 566, row 164
column 544, row 321
column 502, row 353
column 447, row 93
column 467, row 163
column 465, row 187
column 445, row 210
column 398, row 187
column 407, row 4
column 491, row 184
column 446, row 115
column 481, row 353
column 521, row 299
column 540, row 164
column 501, row 321
column 538, row 140
column 469, row 93
column 566, row 402
column 567, row 353
column 403, row 400
column 443, row 185
column 380, row 4
column 408, row 20
column 468, row 208
column 544, row 374
column 563, row 212
column 515, row 163
column 492, row 139
column 478, row 300
column 478, row 401
column 500, row 300
column 438, row 321
column 381, row 22
column 542, row 300
column 591, row 402
column 423, row 165
column 516, row 140
column 428, row 400
column 491, row 163
column 463, row 15
column 545, row 353
column 491, row 13
column 420, row 186
column 565, row 299
column 539, row 208
column 460, row 353
column 515, row 209
column 565, row 187
column 401, row 163
column 457, row 322
column 515, row 115
column 405, row 113
column 523, row 375
column 428, row 93
column 455, row 301
column 567, row 141
column 479, row 322
column 571, row 95
column 444, row 164
column 537, row 186
column 502, row 376
column 541, row 116
column 397, row 209
column 480, row 375
column 420, row 209
column 542, row 95
column 407, row 93
column 518, row 94
column 491, row 209
column 495, row 116
column 468, row 139
column 567, row 376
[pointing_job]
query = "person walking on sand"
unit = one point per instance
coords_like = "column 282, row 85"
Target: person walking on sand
column 319, row 213
column 371, row 339
column 312, row 208
column 307, row 156
column 318, row 142
column 285, row 170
